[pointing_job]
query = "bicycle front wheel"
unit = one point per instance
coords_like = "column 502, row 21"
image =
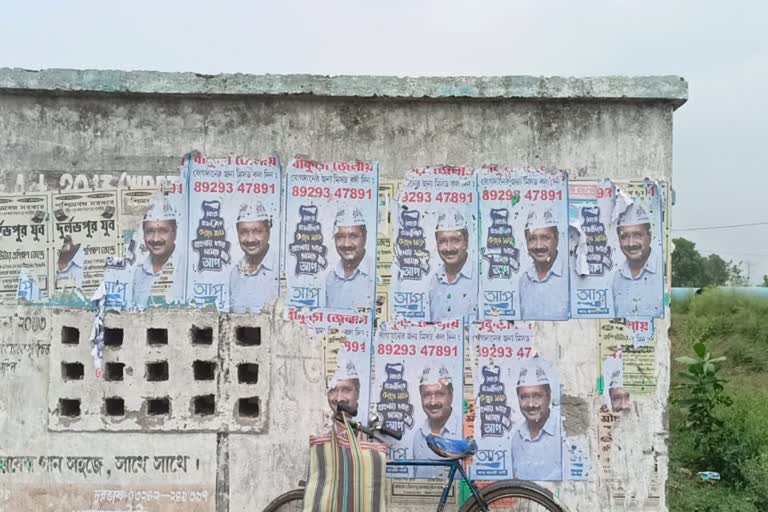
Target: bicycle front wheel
column 509, row 496
column 292, row 501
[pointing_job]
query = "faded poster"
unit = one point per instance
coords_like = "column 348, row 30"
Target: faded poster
column 234, row 233
column 616, row 239
column 417, row 388
column 25, row 237
column 627, row 368
column 523, row 244
column 86, row 231
column 347, row 349
column 329, row 253
column 434, row 272
column 151, row 271
column 517, row 406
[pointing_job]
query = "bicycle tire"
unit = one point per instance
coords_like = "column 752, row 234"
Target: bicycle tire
column 527, row 496
column 291, row 501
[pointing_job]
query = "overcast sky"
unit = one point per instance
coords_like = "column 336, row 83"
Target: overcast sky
column 720, row 139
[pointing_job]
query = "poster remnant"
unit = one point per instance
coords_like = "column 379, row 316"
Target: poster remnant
column 517, row 406
column 234, row 233
column 616, row 237
column 434, row 272
column 330, row 255
column 347, row 348
column 523, row 244
column 417, row 388
column 627, row 368
column 86, row 230
column 25, row 238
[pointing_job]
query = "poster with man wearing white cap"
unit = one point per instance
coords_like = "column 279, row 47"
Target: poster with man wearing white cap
column 159, row 273
column 330, row 242
column 523, row 244
column 434, row 270
column 419, row 370
column 347, row 347
column 501, row 349
column 617, row 246
column 234, row 232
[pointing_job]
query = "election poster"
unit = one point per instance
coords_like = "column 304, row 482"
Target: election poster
column 517, row 420
column 627, row 368
column 151, row 269
column 434, row 272
column 347, row 348
column 234, row 233
column 330, row 241
column 417, row 388
column 86, row 230
column 25, row 238
column 385, row 248
column 618, row 259
column 523, row 244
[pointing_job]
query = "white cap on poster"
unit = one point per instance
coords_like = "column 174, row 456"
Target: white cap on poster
column 252, row 212
column 345, row 370
column 633, row 216
column 540, row 218
column 532, row 376
column 432, row 375
column 452, row 220
column 160, row 209
column 348, row 216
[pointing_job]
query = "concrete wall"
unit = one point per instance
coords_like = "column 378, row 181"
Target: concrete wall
column 64, row 129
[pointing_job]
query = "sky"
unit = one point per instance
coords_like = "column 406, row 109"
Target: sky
column 720, row 162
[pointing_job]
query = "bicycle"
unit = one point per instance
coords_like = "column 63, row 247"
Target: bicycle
column 503, row 495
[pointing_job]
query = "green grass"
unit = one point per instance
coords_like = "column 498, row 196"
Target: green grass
column 736, row 327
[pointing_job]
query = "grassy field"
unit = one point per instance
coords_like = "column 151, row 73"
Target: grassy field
column 735, row 327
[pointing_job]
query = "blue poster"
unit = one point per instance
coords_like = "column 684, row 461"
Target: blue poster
column 330, row 234
column 523, row 244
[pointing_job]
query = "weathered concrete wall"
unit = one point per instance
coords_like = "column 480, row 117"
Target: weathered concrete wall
column 83, row 129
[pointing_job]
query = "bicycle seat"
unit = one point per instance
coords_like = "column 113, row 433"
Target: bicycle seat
column 452, row 448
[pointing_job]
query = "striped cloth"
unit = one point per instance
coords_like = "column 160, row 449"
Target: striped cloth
column 345, row 474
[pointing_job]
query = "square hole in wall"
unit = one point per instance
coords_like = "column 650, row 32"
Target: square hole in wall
column 113, row 337
column 69, row 407
column 157, row 371
column 70, row 335
column 248, row 407
column 247, row 373
column 248, row 336
column 201, row 335
column 159, row 406
column 72, row 371
column 204, row 370
column 157, row 336
column 204, row 405
column 114, row 406
column 113, row 371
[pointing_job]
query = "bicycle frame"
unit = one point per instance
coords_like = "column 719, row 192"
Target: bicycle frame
column 454, row 465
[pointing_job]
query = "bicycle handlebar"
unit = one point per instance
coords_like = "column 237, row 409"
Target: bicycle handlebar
column 391, row 433
column 343, row 408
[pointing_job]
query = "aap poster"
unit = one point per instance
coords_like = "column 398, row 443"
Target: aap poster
column 616, row 238
column 434, row 271
column 234, row 233
column 517, row 406
column 523, row 244
column 418, row 387
column 151, row 271
column 347, row 349
column 330, row 242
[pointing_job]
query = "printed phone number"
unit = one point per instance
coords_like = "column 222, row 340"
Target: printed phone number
column 506, row 352
column 398, row 349
column 223, row 187
column 328, row 193
column 354, row 346
column 530, row 195
column 440, row 197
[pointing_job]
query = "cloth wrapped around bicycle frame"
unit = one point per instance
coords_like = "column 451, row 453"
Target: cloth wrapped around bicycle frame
column 345, row 473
